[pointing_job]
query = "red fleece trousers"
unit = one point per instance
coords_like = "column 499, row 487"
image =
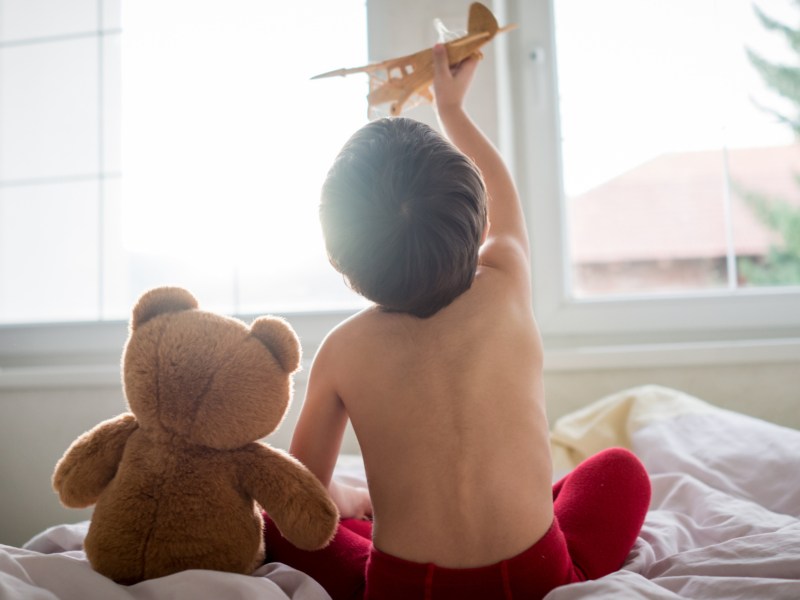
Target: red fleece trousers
column 599, row 510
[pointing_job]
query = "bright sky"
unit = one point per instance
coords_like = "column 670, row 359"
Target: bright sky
column 641, row 78
column 225, row 139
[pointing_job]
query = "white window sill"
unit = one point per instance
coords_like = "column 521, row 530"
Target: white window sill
column 643, row 356
column 579, row 358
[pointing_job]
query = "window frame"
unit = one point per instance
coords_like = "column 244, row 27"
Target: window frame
column 701, row 317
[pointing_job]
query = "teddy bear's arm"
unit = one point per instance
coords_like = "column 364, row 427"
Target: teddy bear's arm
column 291, row 495
column 91, row 461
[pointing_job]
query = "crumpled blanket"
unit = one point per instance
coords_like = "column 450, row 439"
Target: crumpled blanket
column 724, row 520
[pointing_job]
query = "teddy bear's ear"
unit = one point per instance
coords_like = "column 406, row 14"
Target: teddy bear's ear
column 280, row 339
column 161, row 300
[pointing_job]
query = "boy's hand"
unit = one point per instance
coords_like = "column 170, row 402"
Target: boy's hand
column 353, row 502
column 451, row 85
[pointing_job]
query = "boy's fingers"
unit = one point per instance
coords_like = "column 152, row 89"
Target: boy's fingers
column 441, row 67
column 468, row 66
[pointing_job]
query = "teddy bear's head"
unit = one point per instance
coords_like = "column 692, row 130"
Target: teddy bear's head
column 208, row 379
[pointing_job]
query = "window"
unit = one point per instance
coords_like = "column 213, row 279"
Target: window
column 662, row 135
column 226, row 142
column 641, row 137
column 181, row 143
column 55, row 93
column 83, row 230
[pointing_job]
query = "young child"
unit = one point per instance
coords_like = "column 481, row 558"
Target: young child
column 442, row 381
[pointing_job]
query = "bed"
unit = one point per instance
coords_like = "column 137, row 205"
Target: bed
column 724, row 521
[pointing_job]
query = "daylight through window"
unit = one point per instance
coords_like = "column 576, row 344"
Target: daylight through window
column 679, row 174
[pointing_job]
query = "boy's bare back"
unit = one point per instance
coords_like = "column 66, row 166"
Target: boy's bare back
column 449, row 414
column 448, row 410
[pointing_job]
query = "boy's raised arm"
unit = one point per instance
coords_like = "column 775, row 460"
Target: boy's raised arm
column 507, row 221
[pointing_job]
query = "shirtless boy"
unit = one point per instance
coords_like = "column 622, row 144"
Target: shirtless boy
column 442, row 381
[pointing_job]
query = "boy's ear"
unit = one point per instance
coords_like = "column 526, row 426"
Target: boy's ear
column 159, row 301
column 280, row 339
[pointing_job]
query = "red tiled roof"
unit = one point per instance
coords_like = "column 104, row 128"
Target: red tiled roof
column 673, row 207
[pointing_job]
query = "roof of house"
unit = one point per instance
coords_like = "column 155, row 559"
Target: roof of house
column 674, row 206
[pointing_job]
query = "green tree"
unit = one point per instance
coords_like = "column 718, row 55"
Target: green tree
column 781, row 266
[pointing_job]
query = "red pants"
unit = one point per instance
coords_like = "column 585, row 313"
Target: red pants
column 599, row 509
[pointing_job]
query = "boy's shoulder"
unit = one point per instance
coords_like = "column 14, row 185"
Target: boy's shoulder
column 506, row 254
column 354, row 327
column 505, row 264
column 355, row 339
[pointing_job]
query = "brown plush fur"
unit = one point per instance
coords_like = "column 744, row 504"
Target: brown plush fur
column 178, row 480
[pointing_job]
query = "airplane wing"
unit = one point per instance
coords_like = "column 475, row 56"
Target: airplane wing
column 396, row 80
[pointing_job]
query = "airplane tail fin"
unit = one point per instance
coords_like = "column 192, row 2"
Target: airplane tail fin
column 481, row 20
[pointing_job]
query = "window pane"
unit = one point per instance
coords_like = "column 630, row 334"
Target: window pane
column 766, row 190
column 48, row 252
column 226, row 142
column 766, row 215
column 660, row 135
column 48, row 110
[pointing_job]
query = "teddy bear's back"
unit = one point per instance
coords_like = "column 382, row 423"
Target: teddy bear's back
column 171, row 507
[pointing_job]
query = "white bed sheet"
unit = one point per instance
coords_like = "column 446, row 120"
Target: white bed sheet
column 724, row 520
column 53, row 566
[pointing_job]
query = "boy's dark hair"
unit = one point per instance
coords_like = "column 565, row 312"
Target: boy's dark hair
column 403, row 213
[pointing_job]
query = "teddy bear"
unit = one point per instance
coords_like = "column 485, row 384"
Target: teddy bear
column 179, row 481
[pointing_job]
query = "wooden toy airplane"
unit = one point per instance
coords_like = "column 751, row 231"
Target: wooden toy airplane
column 398, row 79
